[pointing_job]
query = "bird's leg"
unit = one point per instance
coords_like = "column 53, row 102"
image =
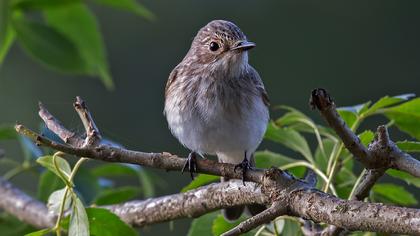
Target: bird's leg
column 191, row 163
column 245, row 166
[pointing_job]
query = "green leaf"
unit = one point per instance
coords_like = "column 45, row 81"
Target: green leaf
column 116, row 195
column 48, row 46
column 118, row 169
column 77, row 23
column 220, row 225
column 48, row 183
column 267, row 159
column 40, row 4
column 102, row 222
column 388, row 101
column 146, row 183
column 289, row 138
column 128, row 5
column 409, row 146
column 79, row 223
column 86, row 184
column 63, row 165
column 366, row 137
column 409, row 179
column 7, row 132
column 348, row 116
column 320, row 159
column 406, row 117
column 7, row 34
column 357, row 109
column 55, row 199
column 291, row 228
column 394, row 193
column 39, row 232
column 200, row 180
column 202, row 226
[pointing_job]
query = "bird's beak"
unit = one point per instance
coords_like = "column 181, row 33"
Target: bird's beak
column 244, row 45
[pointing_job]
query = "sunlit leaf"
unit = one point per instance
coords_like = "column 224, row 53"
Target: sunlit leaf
column 394, row 193
column 128, row 5
column 200, row 180
column 48, row 46
column 79, row 223
column 289, row 138
column 102, row 222
column 409, row 146
column 63, row 165
column 348, row 116
column 409, row 179
column 406, row 117
column 41, row 232
column 267, row 159
column 55, row 199
column 116, row 195
column 295, row 117
column 366, row 137
column 388, row 101
column 79, row 25
column 357, row 109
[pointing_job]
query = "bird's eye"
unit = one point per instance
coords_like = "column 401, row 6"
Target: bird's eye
column 214, row 46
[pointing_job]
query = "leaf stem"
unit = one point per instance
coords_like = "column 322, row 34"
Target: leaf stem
column 69, row 187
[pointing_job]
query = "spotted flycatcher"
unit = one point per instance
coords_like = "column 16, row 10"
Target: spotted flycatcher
column 215, row 102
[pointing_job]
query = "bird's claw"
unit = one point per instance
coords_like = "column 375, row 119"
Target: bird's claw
column 191, row 163
column 245, row 166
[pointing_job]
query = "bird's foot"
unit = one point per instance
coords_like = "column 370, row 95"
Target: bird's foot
column 191, row 163
column 245, row 166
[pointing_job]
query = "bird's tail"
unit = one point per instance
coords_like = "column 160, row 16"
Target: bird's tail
column 233, row 213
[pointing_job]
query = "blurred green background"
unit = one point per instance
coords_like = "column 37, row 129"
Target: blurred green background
column 357, row 50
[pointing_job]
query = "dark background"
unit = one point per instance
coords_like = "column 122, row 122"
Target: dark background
column 358, row 50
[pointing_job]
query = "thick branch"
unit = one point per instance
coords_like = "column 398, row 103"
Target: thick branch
column 354, row 215
column 24, row 207
column 190, row 204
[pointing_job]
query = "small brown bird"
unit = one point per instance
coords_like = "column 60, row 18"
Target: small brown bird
column 215, row 102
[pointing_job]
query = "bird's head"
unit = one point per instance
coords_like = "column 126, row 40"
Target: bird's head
column 220, row 46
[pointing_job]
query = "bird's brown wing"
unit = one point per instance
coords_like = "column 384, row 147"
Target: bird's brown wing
column 256, row 79
column 172, row 77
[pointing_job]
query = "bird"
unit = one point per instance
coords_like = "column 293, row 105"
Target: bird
column 216, row 103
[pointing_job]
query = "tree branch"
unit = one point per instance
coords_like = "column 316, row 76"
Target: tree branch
column 24, row 207
column 381, row 154
column 273, row 187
